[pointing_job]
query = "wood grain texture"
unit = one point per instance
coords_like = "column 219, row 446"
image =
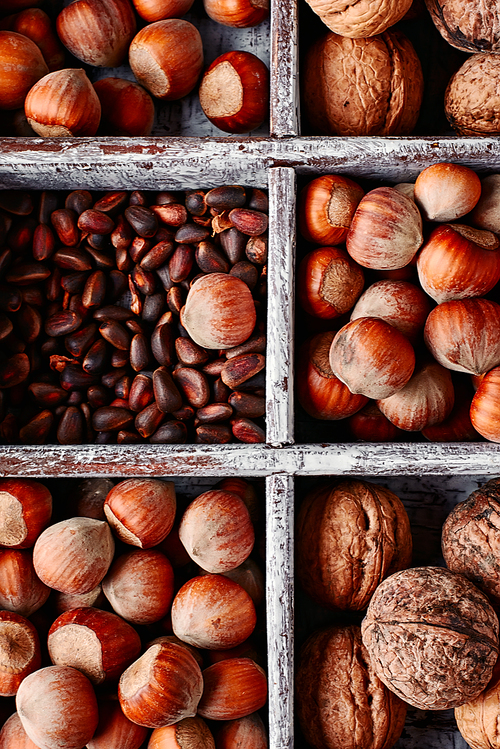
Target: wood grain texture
column 186, row 163
column 280, row 307
column 280, row 602
column 284, row 114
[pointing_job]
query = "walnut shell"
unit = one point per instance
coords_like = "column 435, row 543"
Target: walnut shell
column 471, row 538
column 472, row 97
column 478, row 720
column 360, row 18
column 362, row 86
column 432, row 637
column 341, row 703
column 350, row 535
column 467, row 25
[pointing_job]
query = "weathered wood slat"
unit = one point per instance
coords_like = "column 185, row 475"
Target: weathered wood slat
column 280, row 597
column 185, row 163
column 280, row 308
column 284, row 94
column 360, row 459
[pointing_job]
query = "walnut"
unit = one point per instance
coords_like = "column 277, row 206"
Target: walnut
column 467, row 25
column 341, row 703
column 472, row 97
column 350, row 535
column 479, row 720
column 432, row 637
column 471, row 539
column 362, row 86
column 360, row 18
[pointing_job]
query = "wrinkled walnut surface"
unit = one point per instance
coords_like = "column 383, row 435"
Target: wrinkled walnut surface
column 363, row 86
column 341, row 703
column 432, row 637
column 360, row 18
column 467, row 24
column 472, row 97
column 479, row 720
column 471, row 538
column 350, row 535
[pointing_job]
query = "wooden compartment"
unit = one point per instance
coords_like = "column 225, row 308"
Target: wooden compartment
column 428, row 500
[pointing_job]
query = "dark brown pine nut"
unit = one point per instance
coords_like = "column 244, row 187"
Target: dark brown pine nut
column 210, row 259
column 98, row 396
column 213, row 434
column 37, row 429
column 44, row 242
column 213, row 413
column 95, row 222
column 29, row 322
column 112, row 202
column 113, row 312
column 241, row 368
column 64, row 221
column 256, row 344
column 142, row 220
column 246, row 430
column 62, row 323
column 173, row 214
column 10, row 299
column 226, row 197
column 258, row 200
column 94, row 291
column 158, row 255
column 247, row 405
column 74, row 282
column 113, row 332
column 140, row 357
column 72, row 258
column 167, row 395
column 111, row 419
column 122, row 235
column 141, row 392
column 249, row 222
column 185, row 413
column 181, row 263
column 79, row 342
column 144, row 280
column 70, row 427
column 256, row 250
column 5, row 326
column 139, row 248
column 214, row 367
column 176, row 298
column 189, row 353
column 75, row 398
column 102, row 260
column 47, row 395
column 48, row 204
column 170, row 433
column 163, row 344
column 73, row 377
column 153, row 307
column 148, row 420
column 195, row 202
column 194, row 385
column 117, row 284
column 191, row 234
column 246, row 272
column 14, row 370
column 27, row 273
column 119, row 358
column 96, row 357
column 78, row 201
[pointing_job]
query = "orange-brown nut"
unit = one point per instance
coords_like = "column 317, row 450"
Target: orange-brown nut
column 25, row 510
column 141, row 511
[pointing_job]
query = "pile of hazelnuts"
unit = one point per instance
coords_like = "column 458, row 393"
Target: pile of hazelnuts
column 141, row 611
column 405, row 282
column 165, row 54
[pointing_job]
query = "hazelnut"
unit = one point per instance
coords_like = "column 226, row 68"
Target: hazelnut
column 158, row 10
column 63, row 103
column 370, row 425
column 219, row 311
column 326, row 206
column 25, row 510
column 37, row 26
column 248, row 731
column 188, row 732
column 126, row 108
column 386, row 230
column 74, row 555
column 425, row 400
column 140, row 586
column 213, row 612
column 98, row 643
column 464, row 335
column 239, row 14
column 21, row 66
column 115, row 729
column 20, row 588
column 20, row 653
column 234, row 92
column 457, row 262
column 141, row 511
column 445, row 192
column 98, row 32
column 13, row 735
column 320, row 393
column 484, row 410
column 216, row 531
column 329, row 282
column 372, row 357
column 486, row 214
column 58, row 708
column 162, row 687
column 232, row 688
column 90, row 496
column 400, row 303
column 166, row 57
